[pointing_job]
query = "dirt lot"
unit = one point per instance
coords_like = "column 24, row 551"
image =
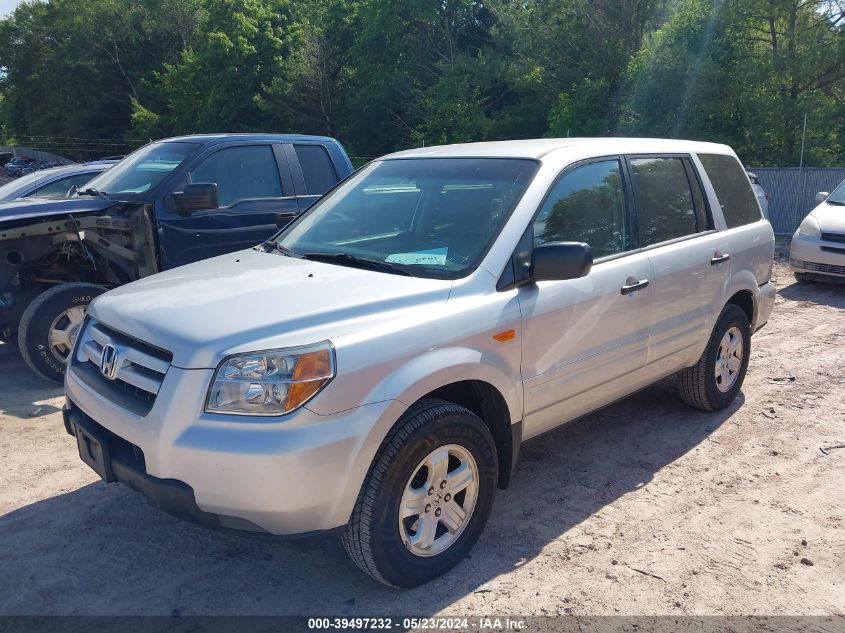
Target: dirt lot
column 644, row 508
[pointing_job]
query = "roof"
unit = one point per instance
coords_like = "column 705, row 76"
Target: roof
column 537, row 148
column 218, row 137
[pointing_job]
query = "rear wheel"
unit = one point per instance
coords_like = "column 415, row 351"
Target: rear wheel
column 714, row 382
column 50, row 324
column 427, row 496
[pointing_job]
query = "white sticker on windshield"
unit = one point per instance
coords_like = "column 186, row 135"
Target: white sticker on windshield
column 431, row 257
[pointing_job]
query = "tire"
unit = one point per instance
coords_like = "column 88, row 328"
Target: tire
column 55, row 310
column 802, row 278
column 698, row 385
column 375, row 537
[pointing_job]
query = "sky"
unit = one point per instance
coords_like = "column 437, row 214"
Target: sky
column 7, row 6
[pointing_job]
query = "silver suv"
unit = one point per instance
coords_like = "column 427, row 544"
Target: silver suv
column 376, row 365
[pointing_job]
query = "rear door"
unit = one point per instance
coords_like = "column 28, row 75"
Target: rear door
column 255, row 197
column 584, row 340
column 689, row 261
column 748, row 239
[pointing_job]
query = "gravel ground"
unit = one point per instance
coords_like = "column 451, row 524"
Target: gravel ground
column 646, row 507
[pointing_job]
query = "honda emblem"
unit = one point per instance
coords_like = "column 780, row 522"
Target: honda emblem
column 110, row 362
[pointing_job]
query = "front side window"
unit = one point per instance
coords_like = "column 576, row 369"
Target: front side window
column 246, row 172
column 665, row 208
column 736, row 197
column 137, row 174
column 431, row 217
column 587, row 204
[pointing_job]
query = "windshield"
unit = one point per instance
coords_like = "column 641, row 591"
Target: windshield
column 142, row 170
column 20, row 186
column 431, row 217
column 838, row 195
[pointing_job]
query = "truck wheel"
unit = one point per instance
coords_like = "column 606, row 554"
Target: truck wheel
column 427, row 496
column 713, row 382
column 49, row 326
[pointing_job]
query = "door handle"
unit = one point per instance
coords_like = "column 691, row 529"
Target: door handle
column 719, row 257
column 633, row 287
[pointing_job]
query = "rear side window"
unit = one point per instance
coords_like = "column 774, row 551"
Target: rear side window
column 587, row 204
column 665, row 208
column 736, row 197
column 317, row 168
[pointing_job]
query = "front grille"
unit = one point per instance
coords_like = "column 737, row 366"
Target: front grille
column 833, row 237
column 137, row 371
column 821, row 268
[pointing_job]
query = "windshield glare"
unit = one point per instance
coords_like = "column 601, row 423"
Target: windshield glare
column 433, row 217
column 142, row 170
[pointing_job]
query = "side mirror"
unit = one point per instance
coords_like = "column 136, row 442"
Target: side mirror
column 196, row 196
column 821, row 196
column 560, row 260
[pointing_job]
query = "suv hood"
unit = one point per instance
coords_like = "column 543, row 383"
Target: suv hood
column 831, row 217
column 16, row 211
column 251, row 300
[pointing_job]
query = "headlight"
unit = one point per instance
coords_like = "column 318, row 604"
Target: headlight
column 272, row 382
column 810, row 227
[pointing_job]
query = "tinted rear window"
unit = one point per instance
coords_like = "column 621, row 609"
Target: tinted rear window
column 317, row 168
column 665, row 208
column 736, row 197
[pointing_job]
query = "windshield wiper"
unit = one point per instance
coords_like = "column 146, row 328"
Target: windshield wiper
column 836, row 202
column 348, row 259
column 90, row 191
column 270, row 245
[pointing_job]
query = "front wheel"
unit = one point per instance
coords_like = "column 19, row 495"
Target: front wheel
column 50, row 324
column 714, row 382
column 427, row 496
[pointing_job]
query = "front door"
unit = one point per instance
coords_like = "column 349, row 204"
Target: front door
column 585, row 339
column 251, row 206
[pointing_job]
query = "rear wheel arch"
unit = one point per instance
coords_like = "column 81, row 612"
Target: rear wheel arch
column 745, row 300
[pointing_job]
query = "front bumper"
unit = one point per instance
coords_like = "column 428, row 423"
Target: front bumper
column 288, row 476
column 812, row 255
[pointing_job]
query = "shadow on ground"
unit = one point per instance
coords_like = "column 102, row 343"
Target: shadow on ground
column 822, row 293
column 22, row 390
column 102, row 550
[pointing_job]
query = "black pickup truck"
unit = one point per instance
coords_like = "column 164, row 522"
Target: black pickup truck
column 169, row 203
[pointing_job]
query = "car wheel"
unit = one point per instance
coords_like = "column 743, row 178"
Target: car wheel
column 714, row 382
column 802, row 278
column 427, row 496
column 50, row 324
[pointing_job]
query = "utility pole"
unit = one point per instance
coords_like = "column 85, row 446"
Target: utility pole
column 801, row 173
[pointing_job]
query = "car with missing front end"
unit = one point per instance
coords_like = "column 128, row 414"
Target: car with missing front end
column 169, row 203
column 375, row 367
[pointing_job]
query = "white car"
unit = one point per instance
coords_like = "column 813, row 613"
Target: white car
column 762, row 194
column 817, row 252
column 375, row 367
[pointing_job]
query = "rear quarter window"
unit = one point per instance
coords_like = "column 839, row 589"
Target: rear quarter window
column 736, row 197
